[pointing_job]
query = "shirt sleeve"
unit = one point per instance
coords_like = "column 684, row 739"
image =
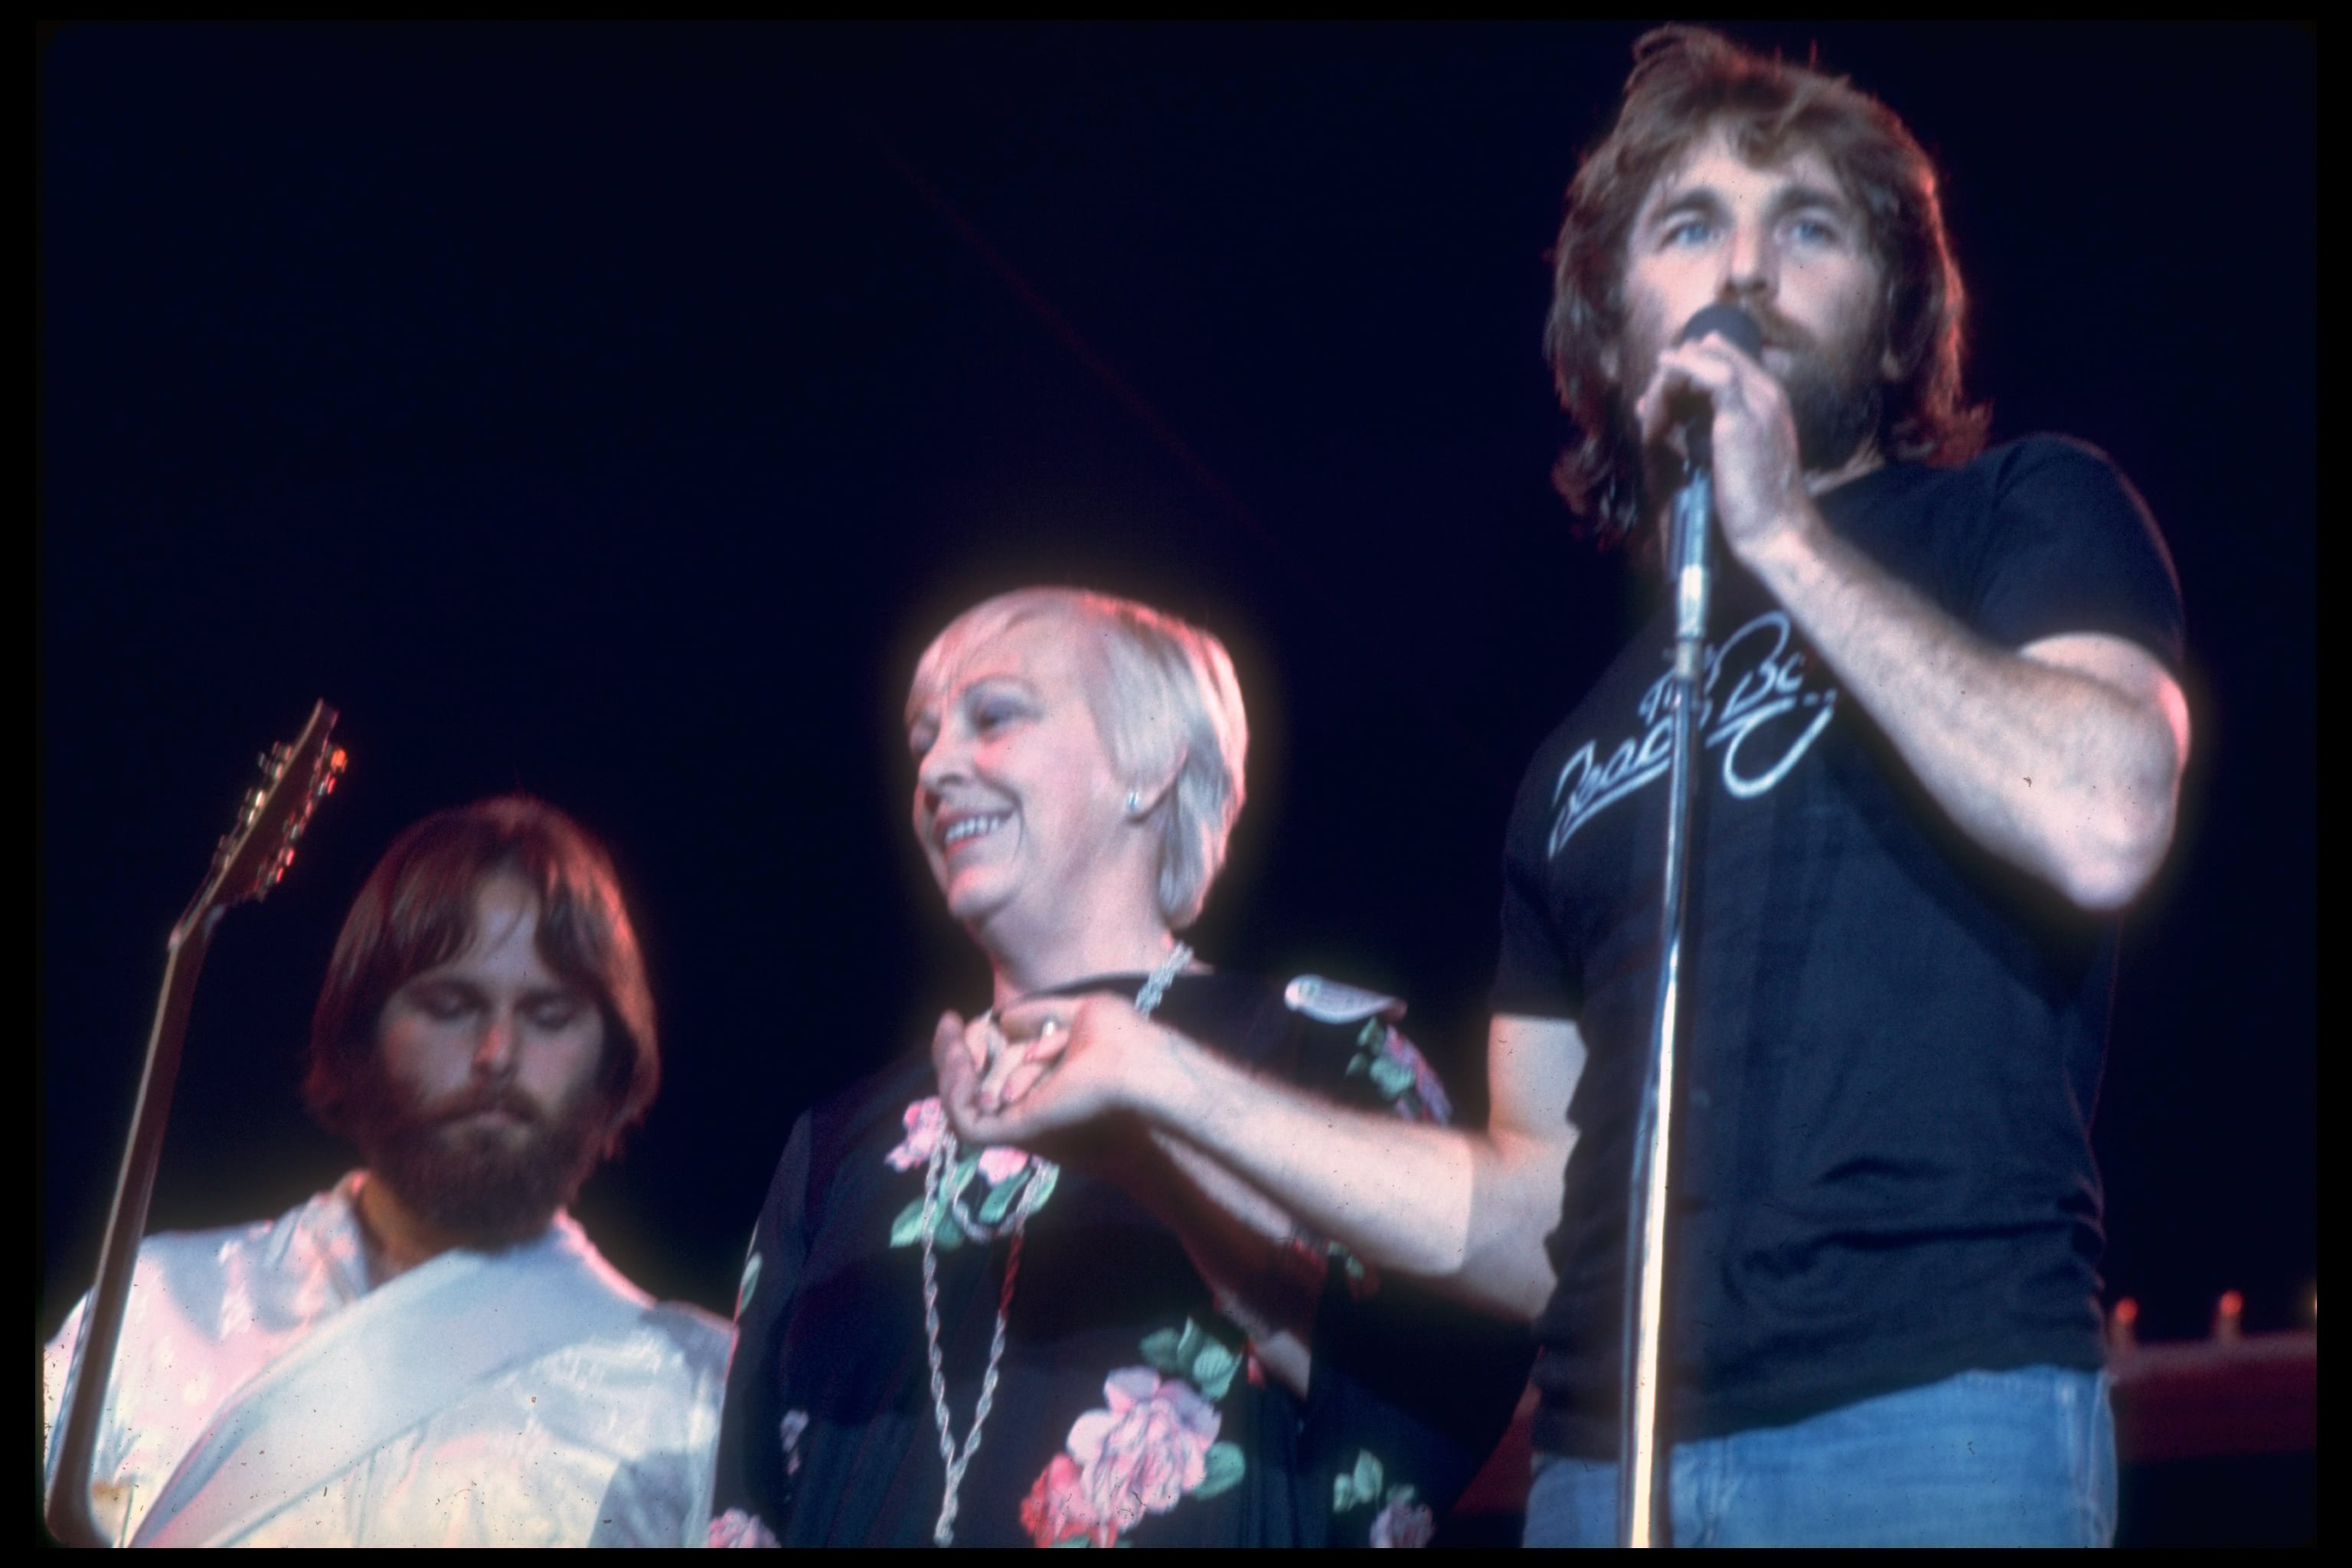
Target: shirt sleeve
column 2070, row 547
column 751, row 1492
column 1409, row 1391
column 1533, row 975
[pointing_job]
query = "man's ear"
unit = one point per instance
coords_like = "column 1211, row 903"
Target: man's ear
column 1609, row 362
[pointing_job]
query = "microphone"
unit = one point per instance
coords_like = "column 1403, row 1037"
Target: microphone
column 1693, row 503
column 1692, row 411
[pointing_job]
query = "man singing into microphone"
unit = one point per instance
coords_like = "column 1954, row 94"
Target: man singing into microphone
column 431, row 1353
column 1940, row 750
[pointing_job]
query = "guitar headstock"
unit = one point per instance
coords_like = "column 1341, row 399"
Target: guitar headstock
column 296, row 775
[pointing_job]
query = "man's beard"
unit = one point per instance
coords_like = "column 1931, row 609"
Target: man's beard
column 485, row 1184
column 1835, row 398
column 1835, row 403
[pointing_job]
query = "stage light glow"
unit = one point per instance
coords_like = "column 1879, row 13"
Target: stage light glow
column 2123, row 1323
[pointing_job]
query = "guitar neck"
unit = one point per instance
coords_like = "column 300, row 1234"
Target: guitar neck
column 252, row 856
column 68, row 1513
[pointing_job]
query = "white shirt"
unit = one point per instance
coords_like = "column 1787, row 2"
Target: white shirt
column 605, row 1440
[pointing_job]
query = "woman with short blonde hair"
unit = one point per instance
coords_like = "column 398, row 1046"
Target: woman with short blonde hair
column 1165, row 700
column 1110, row 1342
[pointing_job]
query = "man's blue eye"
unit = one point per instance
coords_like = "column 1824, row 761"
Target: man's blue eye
column 1688, row 230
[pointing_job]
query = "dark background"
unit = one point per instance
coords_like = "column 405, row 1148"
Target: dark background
column 614, row 415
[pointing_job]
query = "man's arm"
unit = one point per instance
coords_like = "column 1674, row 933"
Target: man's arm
column 1243, row 1244
column 2064, row 757
column 1467, row 1211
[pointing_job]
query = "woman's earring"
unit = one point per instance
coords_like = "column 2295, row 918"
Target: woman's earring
column 1135, row 803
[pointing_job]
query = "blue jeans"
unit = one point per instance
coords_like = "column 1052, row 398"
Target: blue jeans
column 1987, row 1458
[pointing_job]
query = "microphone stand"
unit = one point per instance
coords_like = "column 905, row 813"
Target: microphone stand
column 1640, row 1482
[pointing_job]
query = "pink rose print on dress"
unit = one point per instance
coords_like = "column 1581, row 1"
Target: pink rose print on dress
column 1399, row 1517
column 925, row 1123
column 1015, row 1181
column 736, row 1528
column 1141, row 1455
column 1404, row 1522
column 1000, row 1165
column 1148, row 1449
column 1056, row 1509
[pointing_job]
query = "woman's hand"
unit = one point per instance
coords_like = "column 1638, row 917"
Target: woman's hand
column 1008, row 1071
column 1045, row 1067
column 975, row 1062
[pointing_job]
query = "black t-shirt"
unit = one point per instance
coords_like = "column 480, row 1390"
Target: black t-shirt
column 1883, row 1170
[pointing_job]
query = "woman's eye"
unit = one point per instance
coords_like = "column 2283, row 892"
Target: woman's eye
column 1687, row 231
column 553, row 1016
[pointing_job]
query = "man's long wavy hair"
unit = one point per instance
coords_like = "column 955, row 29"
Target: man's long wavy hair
column 1688, row 81
column 418, row 911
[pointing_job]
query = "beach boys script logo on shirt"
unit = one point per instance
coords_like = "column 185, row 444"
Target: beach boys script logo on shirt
column 1757, row 709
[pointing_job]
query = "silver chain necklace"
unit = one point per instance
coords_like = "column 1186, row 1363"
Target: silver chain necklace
column 1041, row 1179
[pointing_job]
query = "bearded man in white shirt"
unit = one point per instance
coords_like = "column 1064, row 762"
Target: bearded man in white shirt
column 431, row 1353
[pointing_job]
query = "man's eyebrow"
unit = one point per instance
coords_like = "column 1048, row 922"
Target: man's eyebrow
column 1706, row 200
column 438, row 978
column 1697, row 199
column 1795, row 197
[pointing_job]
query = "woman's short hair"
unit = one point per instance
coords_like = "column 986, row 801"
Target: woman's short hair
column 417, row 911
column 1163, row 697
column 1685, row 82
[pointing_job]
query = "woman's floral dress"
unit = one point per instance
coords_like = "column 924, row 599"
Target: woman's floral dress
column 1129, row 1412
